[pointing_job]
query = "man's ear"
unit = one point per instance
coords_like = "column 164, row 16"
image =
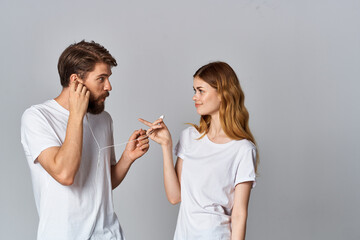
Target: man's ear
column 75, row 77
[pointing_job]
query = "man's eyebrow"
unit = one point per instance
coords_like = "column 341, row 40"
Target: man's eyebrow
column 103, row 75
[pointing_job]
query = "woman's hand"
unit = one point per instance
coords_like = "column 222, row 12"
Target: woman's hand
column 158, row 132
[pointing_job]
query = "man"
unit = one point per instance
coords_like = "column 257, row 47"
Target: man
column 65, row 140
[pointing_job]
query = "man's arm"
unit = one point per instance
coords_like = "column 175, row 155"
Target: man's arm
column 62, row 163
column 138, row 145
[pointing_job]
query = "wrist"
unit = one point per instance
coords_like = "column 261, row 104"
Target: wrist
column 76, row 117
column 126, row 159
column 167, row 144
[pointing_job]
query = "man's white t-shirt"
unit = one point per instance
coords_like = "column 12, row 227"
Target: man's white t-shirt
column 209, row 175
column 85, row 209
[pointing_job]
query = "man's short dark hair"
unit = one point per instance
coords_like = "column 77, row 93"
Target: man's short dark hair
column 80, row 58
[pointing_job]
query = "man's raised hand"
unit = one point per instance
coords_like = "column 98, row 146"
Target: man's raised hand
column 78, row 99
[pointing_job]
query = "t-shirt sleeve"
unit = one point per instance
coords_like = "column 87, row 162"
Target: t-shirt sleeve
column 246, row 168
column 179, row 149
column 36, row 133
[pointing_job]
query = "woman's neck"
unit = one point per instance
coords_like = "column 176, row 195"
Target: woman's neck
column 216, row 132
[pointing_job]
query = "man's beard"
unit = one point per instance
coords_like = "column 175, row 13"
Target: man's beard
column 96, row 105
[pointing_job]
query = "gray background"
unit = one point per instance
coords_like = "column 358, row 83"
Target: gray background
column 298, row 63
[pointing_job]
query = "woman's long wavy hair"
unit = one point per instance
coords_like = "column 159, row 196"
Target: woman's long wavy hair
column 234, row 117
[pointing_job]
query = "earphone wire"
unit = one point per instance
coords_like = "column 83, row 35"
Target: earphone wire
column 97, row 143
column 102, row 148
column 114, row 145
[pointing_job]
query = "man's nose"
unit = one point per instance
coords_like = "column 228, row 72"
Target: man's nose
column 107, row 86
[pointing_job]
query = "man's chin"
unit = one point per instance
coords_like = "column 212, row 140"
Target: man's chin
column 96, row 108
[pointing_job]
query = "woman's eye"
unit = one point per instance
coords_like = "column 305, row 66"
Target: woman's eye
column 199, row 91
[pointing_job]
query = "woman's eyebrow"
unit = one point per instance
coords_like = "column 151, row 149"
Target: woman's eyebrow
column 198, row 87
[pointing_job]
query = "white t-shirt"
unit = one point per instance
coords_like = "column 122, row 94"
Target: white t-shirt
column 85, row 209
column 209, row 175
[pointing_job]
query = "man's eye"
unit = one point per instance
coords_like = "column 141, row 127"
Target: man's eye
column 101, row 79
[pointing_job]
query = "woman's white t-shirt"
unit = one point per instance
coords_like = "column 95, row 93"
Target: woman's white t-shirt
column 209, row 175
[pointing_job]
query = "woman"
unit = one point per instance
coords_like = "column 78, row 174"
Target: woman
column 216, row 161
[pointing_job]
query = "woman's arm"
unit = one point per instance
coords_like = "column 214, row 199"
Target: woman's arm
column 172, row 176
column 240, row 209
column 161, row 134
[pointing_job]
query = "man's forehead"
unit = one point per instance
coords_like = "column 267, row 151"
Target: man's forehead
column 101, row 69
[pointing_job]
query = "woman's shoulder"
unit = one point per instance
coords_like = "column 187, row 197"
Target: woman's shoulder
column 189, row 133
column 190, row 129
column 246, row 145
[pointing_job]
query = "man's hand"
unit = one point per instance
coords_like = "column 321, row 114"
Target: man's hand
column 78, row 99
column 138, row 145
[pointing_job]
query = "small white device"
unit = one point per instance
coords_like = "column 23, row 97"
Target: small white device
column 161, row 117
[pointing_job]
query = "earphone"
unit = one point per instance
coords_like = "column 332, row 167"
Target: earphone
column 116, row 145
column 148, row 134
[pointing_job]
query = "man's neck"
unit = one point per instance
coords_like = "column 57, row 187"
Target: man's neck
column 63, row 98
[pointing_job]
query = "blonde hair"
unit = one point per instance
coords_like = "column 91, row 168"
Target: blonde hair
column 234, row 117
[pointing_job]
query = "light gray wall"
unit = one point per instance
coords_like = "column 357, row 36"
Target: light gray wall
column 298, row 63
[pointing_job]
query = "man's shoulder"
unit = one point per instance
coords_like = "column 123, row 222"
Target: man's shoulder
column 103, row 116
column 40, row 107
column 106, row 115
column 32, row 112
column 38, row 112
